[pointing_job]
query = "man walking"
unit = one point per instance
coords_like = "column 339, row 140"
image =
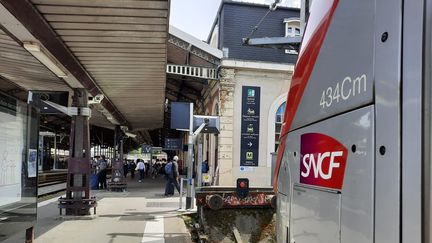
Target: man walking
column 125, row 168
column 172, row 176
column 141, row 168
column 132, row 167
column 102, row 164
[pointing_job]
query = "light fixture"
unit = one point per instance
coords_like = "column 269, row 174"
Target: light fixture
column 130, row 135
column 38, row 52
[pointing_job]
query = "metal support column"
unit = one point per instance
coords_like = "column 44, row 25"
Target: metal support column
column 29, row 235
column 200, row 161
column 189, row 204
column 78, row 201
column 118, row 180
column 55, row 151
column 116, row 134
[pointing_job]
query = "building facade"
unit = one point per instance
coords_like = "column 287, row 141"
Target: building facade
column 247, row 137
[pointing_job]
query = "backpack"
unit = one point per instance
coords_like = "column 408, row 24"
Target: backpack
column 102, row 165
column 168, row 168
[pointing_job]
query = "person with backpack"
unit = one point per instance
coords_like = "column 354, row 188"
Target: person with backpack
column 102, row 175
column 172, row 176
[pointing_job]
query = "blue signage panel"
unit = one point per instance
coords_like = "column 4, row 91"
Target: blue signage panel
column 146, row 149
column 173, row 144
column 250, row 126
column 180, row 115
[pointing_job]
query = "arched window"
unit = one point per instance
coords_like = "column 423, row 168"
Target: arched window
column 274, row 125
column 278, row 123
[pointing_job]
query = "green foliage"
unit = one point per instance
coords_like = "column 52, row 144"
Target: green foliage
column 135, row 152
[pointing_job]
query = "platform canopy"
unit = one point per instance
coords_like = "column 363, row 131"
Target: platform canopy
column 192, row 65
column 110, row 47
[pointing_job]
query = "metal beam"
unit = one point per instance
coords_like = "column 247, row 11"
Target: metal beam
column 288, row 43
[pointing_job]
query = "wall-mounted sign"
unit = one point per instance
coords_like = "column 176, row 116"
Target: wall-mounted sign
column 156, row 150
column 146, row 149
column 250, row 126
column 173, row 144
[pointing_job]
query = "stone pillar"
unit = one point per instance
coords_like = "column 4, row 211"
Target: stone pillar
column 225, row 138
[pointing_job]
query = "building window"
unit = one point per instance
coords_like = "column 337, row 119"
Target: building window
column 278, row 123
column 225, row 51
column 292, row 29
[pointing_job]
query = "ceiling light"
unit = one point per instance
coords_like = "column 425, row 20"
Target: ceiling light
column 130, row 135
column 44, row 58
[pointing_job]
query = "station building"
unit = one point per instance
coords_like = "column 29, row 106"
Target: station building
column 239, row 152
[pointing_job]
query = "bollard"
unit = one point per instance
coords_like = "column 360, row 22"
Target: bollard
column 181, row 192
column 189, row 182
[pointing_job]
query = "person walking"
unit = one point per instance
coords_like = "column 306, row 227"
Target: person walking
column 141, row 168
column 204, row 170
column 132, row 167
column 125, row 168
column 172, row 176
column 102, row 164
column 204, row 167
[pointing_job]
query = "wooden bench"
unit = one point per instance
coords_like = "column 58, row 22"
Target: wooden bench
column 117, row 185
column 73, row 204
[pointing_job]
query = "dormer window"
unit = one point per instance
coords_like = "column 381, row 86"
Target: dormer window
column 292, row 29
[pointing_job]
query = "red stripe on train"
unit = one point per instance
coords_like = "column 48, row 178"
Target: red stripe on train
column 322, row 12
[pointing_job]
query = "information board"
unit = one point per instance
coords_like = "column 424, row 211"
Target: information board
column 250, row 117
column 173, row 144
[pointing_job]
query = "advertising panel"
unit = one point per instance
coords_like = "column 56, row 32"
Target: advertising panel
column 250, row 117
column 11, row 154
column 19, row 129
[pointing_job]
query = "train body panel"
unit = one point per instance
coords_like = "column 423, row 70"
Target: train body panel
column 345, row 156
column 339, row 164
column 343, row 74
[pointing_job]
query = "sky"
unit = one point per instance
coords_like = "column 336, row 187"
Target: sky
column 196, row 17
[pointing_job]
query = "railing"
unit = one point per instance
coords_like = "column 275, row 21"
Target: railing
column 191, row 71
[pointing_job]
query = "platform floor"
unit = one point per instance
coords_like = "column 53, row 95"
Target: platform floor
column 142, row 214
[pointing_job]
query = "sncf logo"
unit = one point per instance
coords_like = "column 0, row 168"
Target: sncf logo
column 323, row 161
